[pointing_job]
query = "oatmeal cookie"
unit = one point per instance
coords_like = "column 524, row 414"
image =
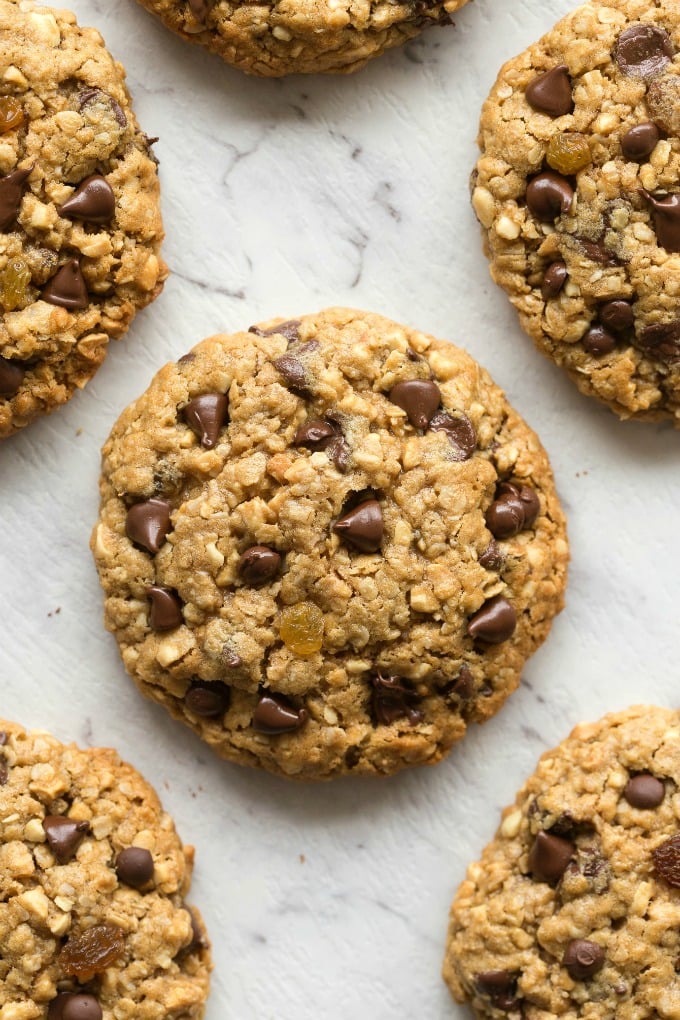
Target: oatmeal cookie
column 327, row 544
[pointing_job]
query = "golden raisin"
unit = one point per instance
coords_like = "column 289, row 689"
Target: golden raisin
column 11, row 114
column 568, row 153
column 301, row 628
column 93, row 951
column 14, row 283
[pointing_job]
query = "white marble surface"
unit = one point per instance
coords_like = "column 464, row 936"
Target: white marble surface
column 281, row 197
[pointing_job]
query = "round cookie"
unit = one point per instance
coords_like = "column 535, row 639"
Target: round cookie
column 578, row 194
column 327, row 544
column 93, row 922
column 80, row 225
column 574, row 909
column 300, row 36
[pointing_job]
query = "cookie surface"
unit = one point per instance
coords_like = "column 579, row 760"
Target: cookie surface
column 294, row 546
column 80, row 225
column 300, row 36
column 573, row 909
column 578, row 194
column 93, row 922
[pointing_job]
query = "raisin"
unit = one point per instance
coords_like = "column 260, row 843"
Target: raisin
column 14, row 283
column 568, row 153
column 667, row 860
column 92, row 951
column 11, row 114
column 301, row 628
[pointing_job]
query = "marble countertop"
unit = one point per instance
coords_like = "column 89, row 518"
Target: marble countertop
column 281, row 197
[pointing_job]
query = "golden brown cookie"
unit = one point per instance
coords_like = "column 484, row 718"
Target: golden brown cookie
column 80, row 225
column 328, row 544
column 93, row 921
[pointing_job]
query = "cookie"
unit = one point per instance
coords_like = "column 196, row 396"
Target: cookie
column 327, row 544
column 93, row 921
column 300, row 37
column 80, row 225
column 573, row 909
column 578, row 194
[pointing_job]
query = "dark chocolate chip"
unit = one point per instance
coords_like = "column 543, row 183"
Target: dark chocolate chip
column 274, row 714
column 492, row 557
column 464, row 685
column 74, row 1006
column 259, row 564
column 148, row 523
column 661, row 340
column 205, row 415
column 93, row 200
column 11, row 378
column 549, row 857
column 229, row 658
column 207, row 699
column 597, row 251
column 617, row 315
column 583, row 959
column 666, row 213
column 554, row 279
column 644, row 791
column 494, row 623
column 551, row 92
column 289, row 330
column 293, row 372
column 495, row 982
column 531, row 504
column 667, row 860
column 134, row 866
column 339, row 453
column 67, row 287
column 505, row 517
column 166, row 608
column 459, row 430
column 643, row 51
column 64, row 836
column 420, row 398
column 548, row 195
column 316, row 434
column 598, row 340
column 12, row 188
column 392, row 699
column 640, row 141
column 362, row 527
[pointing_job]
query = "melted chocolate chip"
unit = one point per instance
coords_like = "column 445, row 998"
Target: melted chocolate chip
column 294, row 373
column 166, row 608
column 316, row 435
column 549, row 857
column 11, row 378
column 617, row 315
column 259, row 564
column 549, row 195
column 494, row 623
column 583, row 959
column 644, row 791
column 93, row 200
column 459, row 430
column 134, row 866
column 289, row 330
column 515, row 508
column 597, row 251
column 67, row 287
column 500, row 986
column 274, row 715
column 362, row 527
column 205, row 415
column 640, row 141
column 339, row 453
column 392, row 700
column 12, row 188
column 207, row 699
column 419, row 398
column 666, row 213
column 64, row 836
column 661, row 340
column 148, row 523
column 492, row 558
column 551, row 92
column 553, row 281
column 74, row 1006
column 598, row 340
column 642, row 51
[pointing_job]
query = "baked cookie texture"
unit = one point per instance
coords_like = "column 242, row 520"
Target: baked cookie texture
column 300, row 36
column 80, row 224
column 93, row 921
column 327, row 544
column 578, row 194
column 574, row 908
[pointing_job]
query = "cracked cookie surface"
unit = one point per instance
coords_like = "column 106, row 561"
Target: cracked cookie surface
column 80, row 225
column 328, row 545
column 578, row 194
column 93, row 921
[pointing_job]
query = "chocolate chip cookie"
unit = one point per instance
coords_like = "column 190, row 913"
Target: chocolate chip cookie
column 302, row 37
column 578, row 194
column 327, row 544
column 80, row 225
column 573, row 909
column 93, row 922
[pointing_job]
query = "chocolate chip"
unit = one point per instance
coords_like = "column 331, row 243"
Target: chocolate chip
column 549, row 857
column 464, row 685
column 494, row 623
column 362, row 527
column 583, row 959
column 492, row 558
column 67, row 287
column 186, row 358
column 74, row 1006
column 495, row 982
column 94, row 95
column 554, row 279
column 229, row 658
column 134, row 866
column 93, row 200
column 548, row 195
column 339, row 453
column 551, row 92
column 316, row 434
column 259, row 564
column 666, row 213
column 12, row 188
column 148, row 523
column 598, row 340
column 667, row 860
column 597, row 251
column 64, row 836
column 644, row 791
column 198, row 937
column 617, row 315
column 205, row 415
column 420, row 398
column 293, row 372
column 661, row 340
column 274, row 714
column 640, row 141
column 515, row 508
column 459, row 430
column 11, row 378
column 166, row 608
column 643, row 51
column 207, row 699
column 392, row 700
column 289, row 330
